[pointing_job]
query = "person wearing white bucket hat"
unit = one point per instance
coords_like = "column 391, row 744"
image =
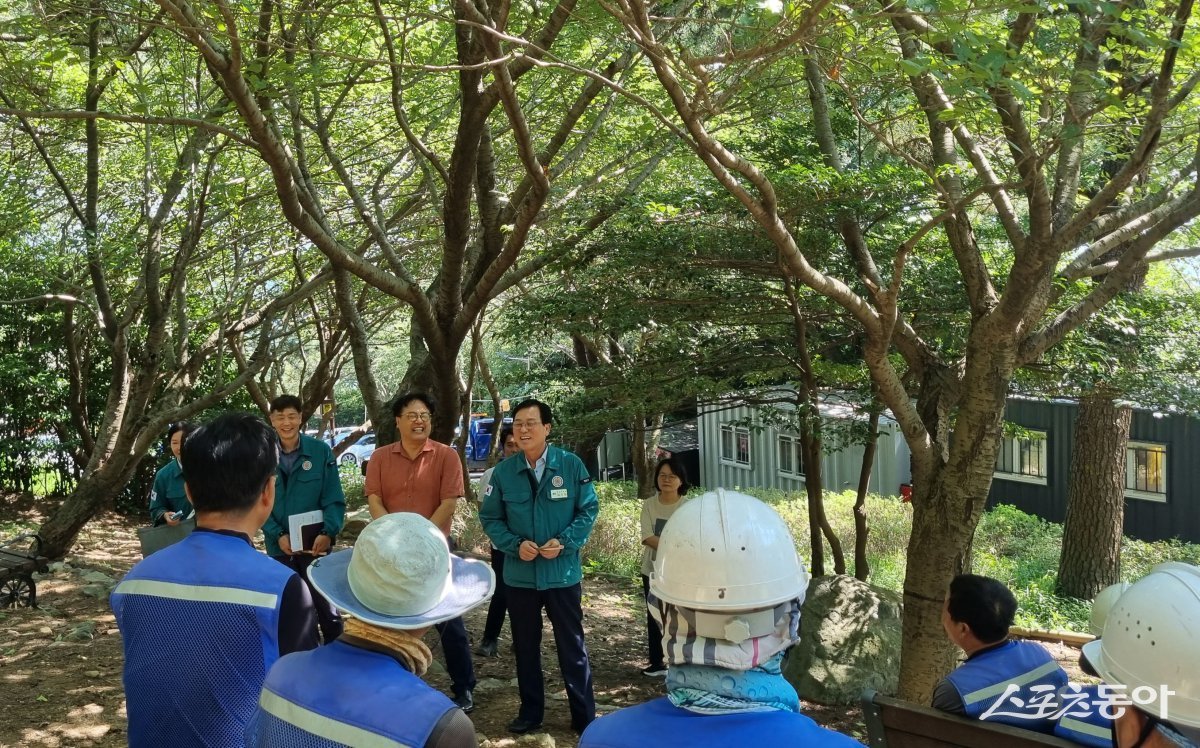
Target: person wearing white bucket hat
column 365, row 689
column 726, row 590
column 1150, row 649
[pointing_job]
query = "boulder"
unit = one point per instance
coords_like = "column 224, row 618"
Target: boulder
column 351, row 530
column 82, row 632
column 849, row 640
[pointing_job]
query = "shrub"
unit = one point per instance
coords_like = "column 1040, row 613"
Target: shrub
column 1019, row 549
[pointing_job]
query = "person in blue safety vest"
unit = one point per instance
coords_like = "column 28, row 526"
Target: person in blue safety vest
column 365, row 689
column 726, row 592
column 1082, row 716
column 1149, row 658
column 1001, row 680
column 238, row 610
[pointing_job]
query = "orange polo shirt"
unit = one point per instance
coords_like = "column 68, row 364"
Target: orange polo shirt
column 420, row 485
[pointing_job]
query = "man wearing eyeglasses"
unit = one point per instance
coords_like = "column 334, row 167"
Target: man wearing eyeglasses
column 417, row 474
column 539, row 510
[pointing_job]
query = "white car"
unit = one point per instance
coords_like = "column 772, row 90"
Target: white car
column 338, row 435
column 358, row 452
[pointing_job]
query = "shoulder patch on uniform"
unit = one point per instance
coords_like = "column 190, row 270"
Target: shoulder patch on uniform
column 585, row 481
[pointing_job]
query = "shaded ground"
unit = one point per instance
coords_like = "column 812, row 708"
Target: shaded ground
column 60, row 665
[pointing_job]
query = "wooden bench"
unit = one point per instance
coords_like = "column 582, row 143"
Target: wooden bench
column 19, row 559
column 892, row 723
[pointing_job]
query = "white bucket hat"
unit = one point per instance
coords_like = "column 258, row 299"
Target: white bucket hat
column 400, row 574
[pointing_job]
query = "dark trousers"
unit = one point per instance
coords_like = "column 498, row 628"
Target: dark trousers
column 329, row 621
column 457, row 649
column 653, row 632
column 564, row 608
column 499, row 604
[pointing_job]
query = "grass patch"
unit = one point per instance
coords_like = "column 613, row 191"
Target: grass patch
column 352, row 486
column 1019, row 549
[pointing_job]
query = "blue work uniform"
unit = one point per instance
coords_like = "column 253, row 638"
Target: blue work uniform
column 987, row 675
column 562, row 504
column 202, row 689
column 367, row 698
column 168, row 494
column 660, row 721
column 1082, row 720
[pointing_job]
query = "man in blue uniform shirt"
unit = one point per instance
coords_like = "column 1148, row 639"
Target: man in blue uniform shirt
column 976, row 615
column 538, row 510
column 241, row 610
column 726, row 591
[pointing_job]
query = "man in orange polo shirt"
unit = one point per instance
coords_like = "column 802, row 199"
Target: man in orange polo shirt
column 416, row 474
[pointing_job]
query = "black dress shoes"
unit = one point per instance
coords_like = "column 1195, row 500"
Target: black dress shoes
column 521, row 726
column 465, row 701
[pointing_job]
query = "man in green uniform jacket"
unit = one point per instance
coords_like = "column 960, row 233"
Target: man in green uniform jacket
column 307, row 480
column 539, row 510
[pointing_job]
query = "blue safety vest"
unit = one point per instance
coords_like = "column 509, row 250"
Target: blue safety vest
column 201, row 691
column 661, row 721
column 982, row 680
column 1082, row 721
column 343, row 695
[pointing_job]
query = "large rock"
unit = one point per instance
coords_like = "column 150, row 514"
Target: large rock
column 849, row 640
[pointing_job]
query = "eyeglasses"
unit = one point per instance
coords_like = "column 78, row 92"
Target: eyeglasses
column 526, row 424
column 414, row 417
column 668, row 476
column 278, row 417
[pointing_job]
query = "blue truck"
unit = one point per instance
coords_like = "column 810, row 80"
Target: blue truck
column 479, row 439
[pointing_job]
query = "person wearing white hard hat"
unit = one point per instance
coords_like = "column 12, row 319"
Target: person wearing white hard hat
column 976, row 615
column 365, row 689
column 1102, row 605
column 726, row 589
column 1084, row 720
column 1150, row 650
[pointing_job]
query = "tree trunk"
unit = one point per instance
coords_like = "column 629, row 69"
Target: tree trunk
column 818, row 523
column 646, row 433
column 438, row 379
column 1091, row 552
column 862, row 569
column 950, row 487
column 93, row 494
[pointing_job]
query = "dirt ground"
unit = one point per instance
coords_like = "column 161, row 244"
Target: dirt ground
column 60, row 664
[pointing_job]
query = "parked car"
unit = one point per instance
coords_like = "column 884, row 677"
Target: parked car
column 358, row 452
column 340, row 433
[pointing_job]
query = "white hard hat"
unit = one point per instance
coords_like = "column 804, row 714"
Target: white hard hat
column 1102, row 604
column 1149, row 643
column 726, row 551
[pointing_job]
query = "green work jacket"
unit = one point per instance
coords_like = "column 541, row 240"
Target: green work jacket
column 563, row 505
column 313, row 483
column 168, row 494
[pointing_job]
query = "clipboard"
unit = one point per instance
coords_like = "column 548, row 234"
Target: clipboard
column 303, row 529
column 156, row 538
